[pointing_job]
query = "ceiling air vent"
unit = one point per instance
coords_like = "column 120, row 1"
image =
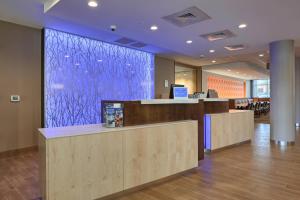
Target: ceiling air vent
column 235, row 47
column 138, row 45
column 220, row 35
column 124, row 41
column 187, row 17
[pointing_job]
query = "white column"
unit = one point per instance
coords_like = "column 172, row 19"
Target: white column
column 282, row 71
column 297, row 88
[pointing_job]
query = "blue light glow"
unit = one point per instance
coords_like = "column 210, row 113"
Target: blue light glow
column 80, row 72
column 207, row 132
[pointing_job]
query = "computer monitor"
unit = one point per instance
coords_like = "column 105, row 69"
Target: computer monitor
column 212, row 93
column 171, row 96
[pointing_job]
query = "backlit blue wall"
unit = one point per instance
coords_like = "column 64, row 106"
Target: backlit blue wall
column 80, row 72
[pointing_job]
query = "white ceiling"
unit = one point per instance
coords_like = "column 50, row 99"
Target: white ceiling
column 268, row 20
column 241, row 70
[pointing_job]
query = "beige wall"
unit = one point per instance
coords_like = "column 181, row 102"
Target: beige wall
column 164, row 70
column 192, row 81
column 188, row 79
column 20, row 74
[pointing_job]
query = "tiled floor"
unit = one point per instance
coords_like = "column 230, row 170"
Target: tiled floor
column 257, row 171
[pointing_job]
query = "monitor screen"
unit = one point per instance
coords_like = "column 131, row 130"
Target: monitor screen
column 212, row 93
column 171, row 90
column 180, row 93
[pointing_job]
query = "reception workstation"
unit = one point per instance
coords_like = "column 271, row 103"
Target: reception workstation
column 138, row 142
column 159, row 138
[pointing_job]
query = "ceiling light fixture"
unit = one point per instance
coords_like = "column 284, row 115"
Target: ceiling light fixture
column 212, row 51
column 93, row 4
column 213, row 61
column 261, row 55
column 189, row 41
column 153, row 28
column 242, row 26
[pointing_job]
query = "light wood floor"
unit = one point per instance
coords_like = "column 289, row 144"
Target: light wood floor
column 257, row 171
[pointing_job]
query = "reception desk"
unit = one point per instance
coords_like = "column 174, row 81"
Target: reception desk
column 160, row 138
column 169, row 110
column 90, row 162
column 226, row 129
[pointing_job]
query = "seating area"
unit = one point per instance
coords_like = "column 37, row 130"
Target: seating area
column 259, row 106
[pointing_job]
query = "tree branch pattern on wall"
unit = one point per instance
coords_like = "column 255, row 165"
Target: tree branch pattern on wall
column 80, row 72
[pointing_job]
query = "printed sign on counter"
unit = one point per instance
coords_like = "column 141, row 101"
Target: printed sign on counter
column 114, row 115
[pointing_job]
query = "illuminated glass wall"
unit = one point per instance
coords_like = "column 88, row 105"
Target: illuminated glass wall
column 80, row 72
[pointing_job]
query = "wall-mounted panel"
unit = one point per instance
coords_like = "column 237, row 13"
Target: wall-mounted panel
column 80, row 72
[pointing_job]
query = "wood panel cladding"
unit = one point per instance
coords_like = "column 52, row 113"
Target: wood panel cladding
column 136, row 113
column 212, row 107
column 92, row 166
column 231, row 128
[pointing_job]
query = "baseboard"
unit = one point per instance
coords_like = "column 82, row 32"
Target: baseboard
column 16, row 152
column 228, row 147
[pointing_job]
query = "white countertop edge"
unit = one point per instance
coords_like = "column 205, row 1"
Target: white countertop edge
column 71, row 131
column 232, row 111
column 170, row 101
column 214, row 99
column 180, row 101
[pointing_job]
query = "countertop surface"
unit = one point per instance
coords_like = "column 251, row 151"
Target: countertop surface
column 70, row 131
column 232, row 111
column 179, row 101
column 170, row 101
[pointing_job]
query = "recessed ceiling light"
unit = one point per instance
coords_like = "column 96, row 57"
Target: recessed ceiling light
column 93, row 4
column 213, row 61
column 189, row 41
column 99, row 60
column 242, row 26
column 212, row 51
column 153, row 28
column 261, row 55
column 67, row 56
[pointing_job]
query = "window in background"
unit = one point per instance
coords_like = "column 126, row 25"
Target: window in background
column 261, row 88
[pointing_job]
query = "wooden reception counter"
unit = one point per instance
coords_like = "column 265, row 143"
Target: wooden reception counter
column 226, row 129
column 169, row 110
column 160, row 138
column 90, row 162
